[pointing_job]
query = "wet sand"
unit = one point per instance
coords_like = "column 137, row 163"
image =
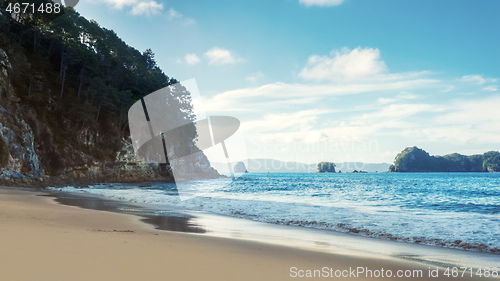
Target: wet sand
column 43, row 240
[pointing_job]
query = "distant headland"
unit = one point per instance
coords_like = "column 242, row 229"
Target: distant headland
column 414, row 159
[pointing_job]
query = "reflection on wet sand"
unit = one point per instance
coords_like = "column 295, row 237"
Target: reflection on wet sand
column 170, row 221
column 173, row 223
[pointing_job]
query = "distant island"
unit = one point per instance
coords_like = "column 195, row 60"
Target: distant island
column 414, row 159
column 326, row 167
column 265, row 165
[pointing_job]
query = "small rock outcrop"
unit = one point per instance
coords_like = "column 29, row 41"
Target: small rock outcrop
column 326, row 167
column 240, row 168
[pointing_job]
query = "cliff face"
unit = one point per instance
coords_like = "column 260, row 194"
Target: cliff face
column 17, row 146
column 66, row 85
column 414, row 159
column 31, row 154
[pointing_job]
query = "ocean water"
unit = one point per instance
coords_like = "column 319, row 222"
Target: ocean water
column 456, row 210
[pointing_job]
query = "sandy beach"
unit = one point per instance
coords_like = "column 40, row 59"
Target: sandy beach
column 43, row 240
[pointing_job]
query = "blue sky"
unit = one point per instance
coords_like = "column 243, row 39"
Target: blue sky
column 330, row 80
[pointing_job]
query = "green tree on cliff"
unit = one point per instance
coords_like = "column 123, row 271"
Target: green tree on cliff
column 79, row 79
column 414, row 159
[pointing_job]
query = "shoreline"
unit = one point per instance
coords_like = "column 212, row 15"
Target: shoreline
column 306, row 238
column 160, row 202
column 44, row 240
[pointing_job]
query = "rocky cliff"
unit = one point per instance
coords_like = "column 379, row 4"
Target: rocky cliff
column 66, row 85
column 30, row 154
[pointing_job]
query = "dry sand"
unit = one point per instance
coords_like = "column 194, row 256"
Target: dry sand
column 42, row 240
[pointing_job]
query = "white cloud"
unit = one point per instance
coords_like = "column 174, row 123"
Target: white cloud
column 220, row 56
column 288, row 127
column 307, row 126
column 367, row 105
column 147, row 8
column 474, row 112
column 262, row 97
column 402, row 96
column 490, row 89
column 174, row 15
column 137, row 7
column 321, row 2
column 120, row 4
column 344, row 65
column 468, row 121
column 192, row 59
column 385, row 100
column 301, row 119
column 478, row 79
column 188, row 22
column 399, row 111
column 407, row 96
column 254, row 77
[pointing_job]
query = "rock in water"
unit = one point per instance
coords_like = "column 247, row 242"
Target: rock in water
column 240, row 168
